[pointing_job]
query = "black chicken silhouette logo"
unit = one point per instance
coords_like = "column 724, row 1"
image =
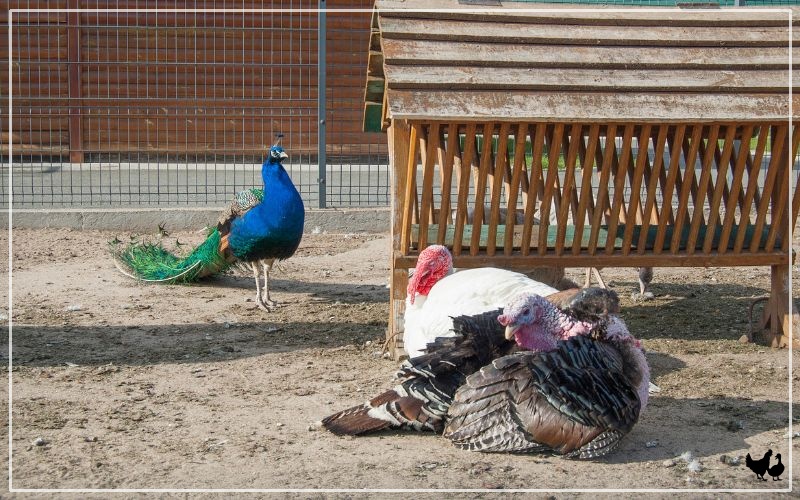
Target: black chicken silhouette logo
column 761, row 466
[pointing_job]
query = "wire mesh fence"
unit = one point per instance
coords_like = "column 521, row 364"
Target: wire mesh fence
column 116, row 109
column 163, row 107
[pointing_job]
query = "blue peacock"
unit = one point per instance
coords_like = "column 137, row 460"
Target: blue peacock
column 260, row 227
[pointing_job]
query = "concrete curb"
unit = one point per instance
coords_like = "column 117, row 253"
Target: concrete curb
column 352, row 220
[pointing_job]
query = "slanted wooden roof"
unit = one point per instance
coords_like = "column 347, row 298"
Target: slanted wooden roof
column 576, row 64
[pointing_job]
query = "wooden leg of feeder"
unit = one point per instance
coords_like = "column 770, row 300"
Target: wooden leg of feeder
column 397, row 308
column 776, row 317
column 399, row 142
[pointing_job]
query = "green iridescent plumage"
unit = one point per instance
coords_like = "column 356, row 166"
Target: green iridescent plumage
column 152, row 262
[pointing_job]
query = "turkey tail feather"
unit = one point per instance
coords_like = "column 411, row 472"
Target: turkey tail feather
column 153, row 263
column 354, row 421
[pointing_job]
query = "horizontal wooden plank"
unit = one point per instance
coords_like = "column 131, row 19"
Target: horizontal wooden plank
column 496, row 32
column 594, row 80
column 49, row 137
column 456, row 53
column 591, row 108
column 569, row 235
column 520, row 262
column 580, row 14
column 45, row 121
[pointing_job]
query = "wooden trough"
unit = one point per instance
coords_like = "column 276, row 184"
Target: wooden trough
column 586, row 138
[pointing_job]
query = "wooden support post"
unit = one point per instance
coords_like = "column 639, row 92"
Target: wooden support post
column 399, row 143
column 73, row 62
column 776, row 315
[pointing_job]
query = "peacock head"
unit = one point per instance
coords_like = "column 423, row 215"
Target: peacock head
column 433, row 264
column 276, row 154
column 524, row 318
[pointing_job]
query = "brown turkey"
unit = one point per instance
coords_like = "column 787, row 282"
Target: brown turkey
column 427, row 383
column 578, row 400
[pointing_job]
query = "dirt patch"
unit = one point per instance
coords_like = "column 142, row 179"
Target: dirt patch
column 119, row 384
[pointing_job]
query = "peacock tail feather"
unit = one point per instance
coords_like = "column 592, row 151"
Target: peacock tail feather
column 152, row 262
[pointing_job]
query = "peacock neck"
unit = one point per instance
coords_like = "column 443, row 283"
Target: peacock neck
column 271, row 174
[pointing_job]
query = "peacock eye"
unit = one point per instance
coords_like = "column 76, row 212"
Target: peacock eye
column 526, row 312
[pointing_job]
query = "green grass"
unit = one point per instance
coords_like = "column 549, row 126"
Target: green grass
column 512, row 146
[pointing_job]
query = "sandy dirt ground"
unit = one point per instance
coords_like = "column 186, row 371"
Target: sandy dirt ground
column 119, row 384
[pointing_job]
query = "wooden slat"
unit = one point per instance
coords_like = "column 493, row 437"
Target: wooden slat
column 653, row 180
column 634, row 205
column 669, row 186
column 493, row 31
column 409, row 198
column 522, row 12
column 519, row 169
column 721, row 181
column 601, row 108
column 702, row 186
column 477, row 78
column 586, row 195
column 752, row 188
column 619, row 183
column 778, row 134
column 780, row 215
column 553, row 152
column 446, row 160
column 736, row 188
column 498, row 173
column 602, row 193
column 463, row 187
column 796, row 198
column 427, row 143
column 575, row 138
column 537, row 144
column 480, row 184
column 688, row 182
column 458, row 53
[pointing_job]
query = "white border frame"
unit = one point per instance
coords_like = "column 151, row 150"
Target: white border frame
column 11, row 488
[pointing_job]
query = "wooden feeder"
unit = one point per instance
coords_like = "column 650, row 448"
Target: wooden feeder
column 518, row 139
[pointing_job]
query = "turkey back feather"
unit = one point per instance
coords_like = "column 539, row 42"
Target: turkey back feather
column 576, row 400
column 427, row 383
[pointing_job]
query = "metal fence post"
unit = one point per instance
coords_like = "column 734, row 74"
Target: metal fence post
column 321, row 104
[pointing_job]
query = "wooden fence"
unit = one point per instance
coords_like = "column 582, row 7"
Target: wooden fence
column 181, row 83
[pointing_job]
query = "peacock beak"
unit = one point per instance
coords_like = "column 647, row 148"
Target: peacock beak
column 283, row 155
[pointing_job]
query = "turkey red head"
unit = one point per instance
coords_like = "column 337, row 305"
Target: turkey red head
column 537, row 325
column 433, row 264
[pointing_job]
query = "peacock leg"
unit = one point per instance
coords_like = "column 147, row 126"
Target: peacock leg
column 267, row 265
column 257, row 274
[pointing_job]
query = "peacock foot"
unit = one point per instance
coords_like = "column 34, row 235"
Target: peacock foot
column 642, row 297
column 264, row 306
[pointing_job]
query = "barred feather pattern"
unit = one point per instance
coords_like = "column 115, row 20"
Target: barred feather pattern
column 426, row 384
column 579, row 400
column 241, row 203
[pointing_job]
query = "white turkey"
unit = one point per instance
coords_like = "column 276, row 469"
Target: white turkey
column 578, row 400
column 427, row 383
column 436, row 295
